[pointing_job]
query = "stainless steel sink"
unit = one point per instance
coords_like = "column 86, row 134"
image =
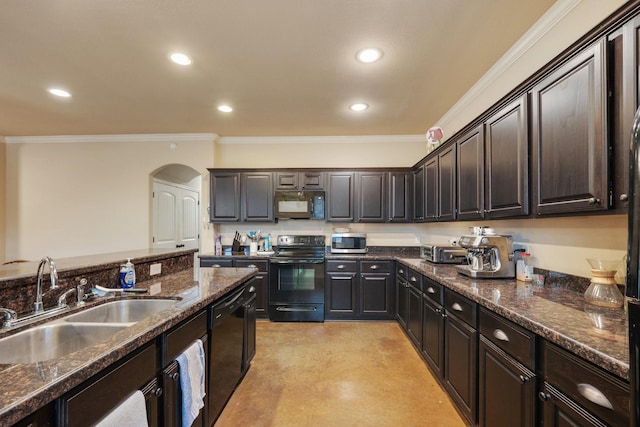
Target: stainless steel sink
column 123, row 311
column 52, row 340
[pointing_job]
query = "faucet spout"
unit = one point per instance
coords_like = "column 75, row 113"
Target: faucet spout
column 53, row 276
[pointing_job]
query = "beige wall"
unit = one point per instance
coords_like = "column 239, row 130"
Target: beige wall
column 76, row 198
column 3, row 202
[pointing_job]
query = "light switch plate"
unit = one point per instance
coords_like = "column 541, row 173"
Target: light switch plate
column 155, row 269
column 156, row 288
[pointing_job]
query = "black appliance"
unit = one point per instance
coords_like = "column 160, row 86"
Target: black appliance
column 228, row 364
column 349, row 243
column 296, row 284
column 299, row 204
column 633, row 273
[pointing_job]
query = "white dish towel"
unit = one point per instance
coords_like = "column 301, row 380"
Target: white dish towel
column 130, row 413
column 191, row 364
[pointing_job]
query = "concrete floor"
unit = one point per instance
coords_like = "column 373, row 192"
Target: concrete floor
column 337, row 374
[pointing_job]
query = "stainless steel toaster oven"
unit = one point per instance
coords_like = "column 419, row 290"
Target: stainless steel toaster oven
column 441, row 254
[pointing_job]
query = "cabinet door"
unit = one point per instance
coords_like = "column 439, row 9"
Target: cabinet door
column 507, row 162
column 340, row 186
column 433, row 335
column 260, row 282
column 371, row 190
column 309, row 180
column 225, row 196
column 399, row 196
column 287, row 180
column 376, row 296
column 431, row 189
column 43, row 417
column 470, row 175
column 447, row 184
column 569, row 139
column 414, row 320
column 507, row 389
column 460, row 365
column 250, row 317
column 257, row 197
column 341, row 295
column 418, row 194
column 402, row 302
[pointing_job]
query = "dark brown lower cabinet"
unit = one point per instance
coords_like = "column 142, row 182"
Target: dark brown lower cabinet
column 433, row 334
column 414, row 320
column 507, row 389
column 402, row 301
column 43, row 417
column 341, row 282
column 460, row 365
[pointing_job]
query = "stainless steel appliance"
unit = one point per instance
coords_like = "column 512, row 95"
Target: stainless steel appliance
column 633, row 274
column 440, row 254
column 349, row 243
column 296, row 284
column 299, row 204
column 490, row 256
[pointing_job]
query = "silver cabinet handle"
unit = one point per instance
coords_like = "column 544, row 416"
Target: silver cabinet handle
column 252, row 266
column 401, row 271
column 431, row 290
column 374, row 267
column 413, row 279
column 624, row 197
column 456, row 306
column 594, row 201
column 340, row 267
column 594, row 395
column 499, row 334
column 216, row 266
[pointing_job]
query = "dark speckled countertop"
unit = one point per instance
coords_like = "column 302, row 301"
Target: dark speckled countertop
column 26, row 387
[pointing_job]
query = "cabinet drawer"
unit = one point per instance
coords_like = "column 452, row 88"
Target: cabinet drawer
column 375, row 267
column 178, row 339
column 432, row 290
column 414, row 279
column 342, row 266
column 464, row 309
column 209, row 262
column 516, row 341
column 261, row 265
column 599, row 392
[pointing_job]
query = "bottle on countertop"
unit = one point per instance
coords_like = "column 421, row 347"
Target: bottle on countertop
column 524, row 270
column 127, row 275
column 219, row 245
column 267, row 243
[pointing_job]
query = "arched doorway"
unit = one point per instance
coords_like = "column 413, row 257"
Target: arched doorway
column 175, row 207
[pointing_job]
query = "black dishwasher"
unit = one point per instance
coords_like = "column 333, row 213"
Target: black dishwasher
column 226, row 348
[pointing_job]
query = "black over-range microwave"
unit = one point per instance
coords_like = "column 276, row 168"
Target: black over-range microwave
column 299, row 204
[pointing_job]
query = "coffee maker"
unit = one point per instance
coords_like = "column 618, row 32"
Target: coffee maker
column 490, row 256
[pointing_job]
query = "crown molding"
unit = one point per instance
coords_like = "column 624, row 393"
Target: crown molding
column 353, row 139
column 161, row 137
column 548, row 21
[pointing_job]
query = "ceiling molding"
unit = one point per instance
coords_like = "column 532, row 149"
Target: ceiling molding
column 357, row 139
column 162, row 137
column 548, row 21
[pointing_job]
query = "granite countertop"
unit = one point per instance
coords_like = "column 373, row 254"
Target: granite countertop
column 27, row 387
column 559, row 315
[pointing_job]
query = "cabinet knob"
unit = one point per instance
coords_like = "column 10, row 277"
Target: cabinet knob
column 523, row 379
column 157, row 392
column 594, row 201
column 624, row 197
column 543, row 396
column 175, row 376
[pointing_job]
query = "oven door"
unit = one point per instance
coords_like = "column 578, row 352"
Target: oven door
column 296, row 290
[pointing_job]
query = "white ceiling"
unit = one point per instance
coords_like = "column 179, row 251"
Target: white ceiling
column 287, row 66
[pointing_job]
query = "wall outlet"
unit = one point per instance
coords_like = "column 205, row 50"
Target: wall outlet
column 156, row 288
column 155, row 269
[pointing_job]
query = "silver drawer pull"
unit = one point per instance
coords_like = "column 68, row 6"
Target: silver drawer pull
column 413, row 279
column 431, row 290
column 401, row 271
column 252, row 266
column 216, row 265
column 456, row 306
column 499, row 334
column 340, row 267
column 594, row 395
column 374, row 267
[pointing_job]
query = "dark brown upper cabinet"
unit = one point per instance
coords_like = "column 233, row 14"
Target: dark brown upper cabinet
column 507, row 161
column 299, row 180
column 431, row 189
column 470, row 174
column 569, row 136
column 399, row 196
column 340, row 196
column 371, row 189
column 225, row 196
column 257, row 196
column 418, row 194
column 447, row 184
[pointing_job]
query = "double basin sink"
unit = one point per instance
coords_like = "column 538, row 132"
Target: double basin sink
column 77, row 331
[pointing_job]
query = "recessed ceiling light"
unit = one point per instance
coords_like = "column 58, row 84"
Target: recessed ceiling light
column 59, row 92
column 225, row 109
column 180, row 58
column 358, row 107
column 369, row 55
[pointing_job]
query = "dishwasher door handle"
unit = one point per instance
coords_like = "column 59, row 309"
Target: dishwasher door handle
column 285, row 308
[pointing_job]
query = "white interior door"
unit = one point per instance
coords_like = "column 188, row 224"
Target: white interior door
column 175, row 216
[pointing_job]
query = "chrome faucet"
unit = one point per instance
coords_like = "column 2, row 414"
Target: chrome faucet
column 78, row 290
column 7, row 317
column 53, row 275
